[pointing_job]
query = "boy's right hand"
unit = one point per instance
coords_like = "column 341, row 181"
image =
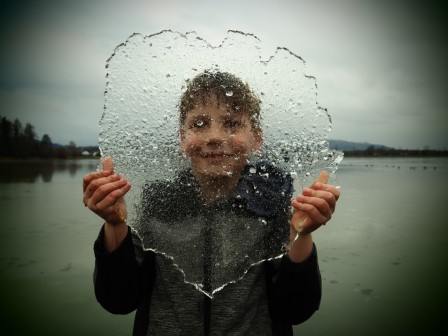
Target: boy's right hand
column 104, row 191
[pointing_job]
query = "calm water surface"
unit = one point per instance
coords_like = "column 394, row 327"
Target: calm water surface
column 382, row 256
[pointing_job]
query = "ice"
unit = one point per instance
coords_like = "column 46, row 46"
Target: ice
column 146, row 75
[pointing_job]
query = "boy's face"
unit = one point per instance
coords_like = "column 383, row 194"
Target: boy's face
column 216, row 141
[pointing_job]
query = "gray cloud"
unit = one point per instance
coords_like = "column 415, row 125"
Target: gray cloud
column 380, row 67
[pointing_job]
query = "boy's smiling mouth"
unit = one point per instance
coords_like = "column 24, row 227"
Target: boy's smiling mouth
column 215, row 156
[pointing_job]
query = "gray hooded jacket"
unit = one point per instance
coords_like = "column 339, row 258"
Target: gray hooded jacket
column 210, row 248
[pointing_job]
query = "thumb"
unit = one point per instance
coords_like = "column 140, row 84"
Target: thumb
column 323, row 177
column 299, row 219
column 108, row 163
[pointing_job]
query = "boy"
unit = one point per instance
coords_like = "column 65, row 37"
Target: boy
column 212, row 223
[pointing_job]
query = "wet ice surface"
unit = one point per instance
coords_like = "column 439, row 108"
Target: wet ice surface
column 146, row 76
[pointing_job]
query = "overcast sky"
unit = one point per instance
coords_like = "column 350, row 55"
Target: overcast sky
column 381, row 66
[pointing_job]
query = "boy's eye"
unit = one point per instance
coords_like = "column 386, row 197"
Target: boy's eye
column 232, row 123
column 200, row 123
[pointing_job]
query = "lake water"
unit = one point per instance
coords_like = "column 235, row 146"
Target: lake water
column 382, row 256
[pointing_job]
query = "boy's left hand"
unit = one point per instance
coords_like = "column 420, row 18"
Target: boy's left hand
column 315, row 206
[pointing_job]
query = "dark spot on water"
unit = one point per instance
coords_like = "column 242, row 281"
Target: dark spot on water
column 14, row 262
column 66, row 268
column 397, row 261
column 366, row 291
column 333, row 281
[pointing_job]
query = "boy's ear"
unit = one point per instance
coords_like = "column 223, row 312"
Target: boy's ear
column 258, row 138
column 182, row 140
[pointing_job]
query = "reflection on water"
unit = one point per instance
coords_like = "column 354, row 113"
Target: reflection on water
column 41, row 171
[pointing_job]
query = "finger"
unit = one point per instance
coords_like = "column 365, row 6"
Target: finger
column 328, row 196
column 328, row 188
column 108, row 163
column 121, row 207
column 317, row 208
column 321, row 183
column 305, row 226
column 103, row 190
column 88, row 178
column 323, row 177
column 298, row 220
column 113, row 197
column 313, row 216
column 97, row 183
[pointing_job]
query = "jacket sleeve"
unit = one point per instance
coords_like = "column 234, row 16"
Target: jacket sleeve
column 124, row 277
column 294, row 289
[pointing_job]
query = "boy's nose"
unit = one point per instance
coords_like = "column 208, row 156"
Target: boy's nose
column 216, row 135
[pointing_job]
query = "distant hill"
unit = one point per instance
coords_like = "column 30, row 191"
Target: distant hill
column 347, row 146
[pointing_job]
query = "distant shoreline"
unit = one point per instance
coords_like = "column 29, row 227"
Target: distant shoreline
column 39, row 159
column 21, row 144
column 347, row 154
column 378, row 152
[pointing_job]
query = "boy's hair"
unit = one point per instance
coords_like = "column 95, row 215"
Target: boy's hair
column 227, row 88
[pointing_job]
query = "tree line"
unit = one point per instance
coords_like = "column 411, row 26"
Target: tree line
column 21, row 142
column 374, row 151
